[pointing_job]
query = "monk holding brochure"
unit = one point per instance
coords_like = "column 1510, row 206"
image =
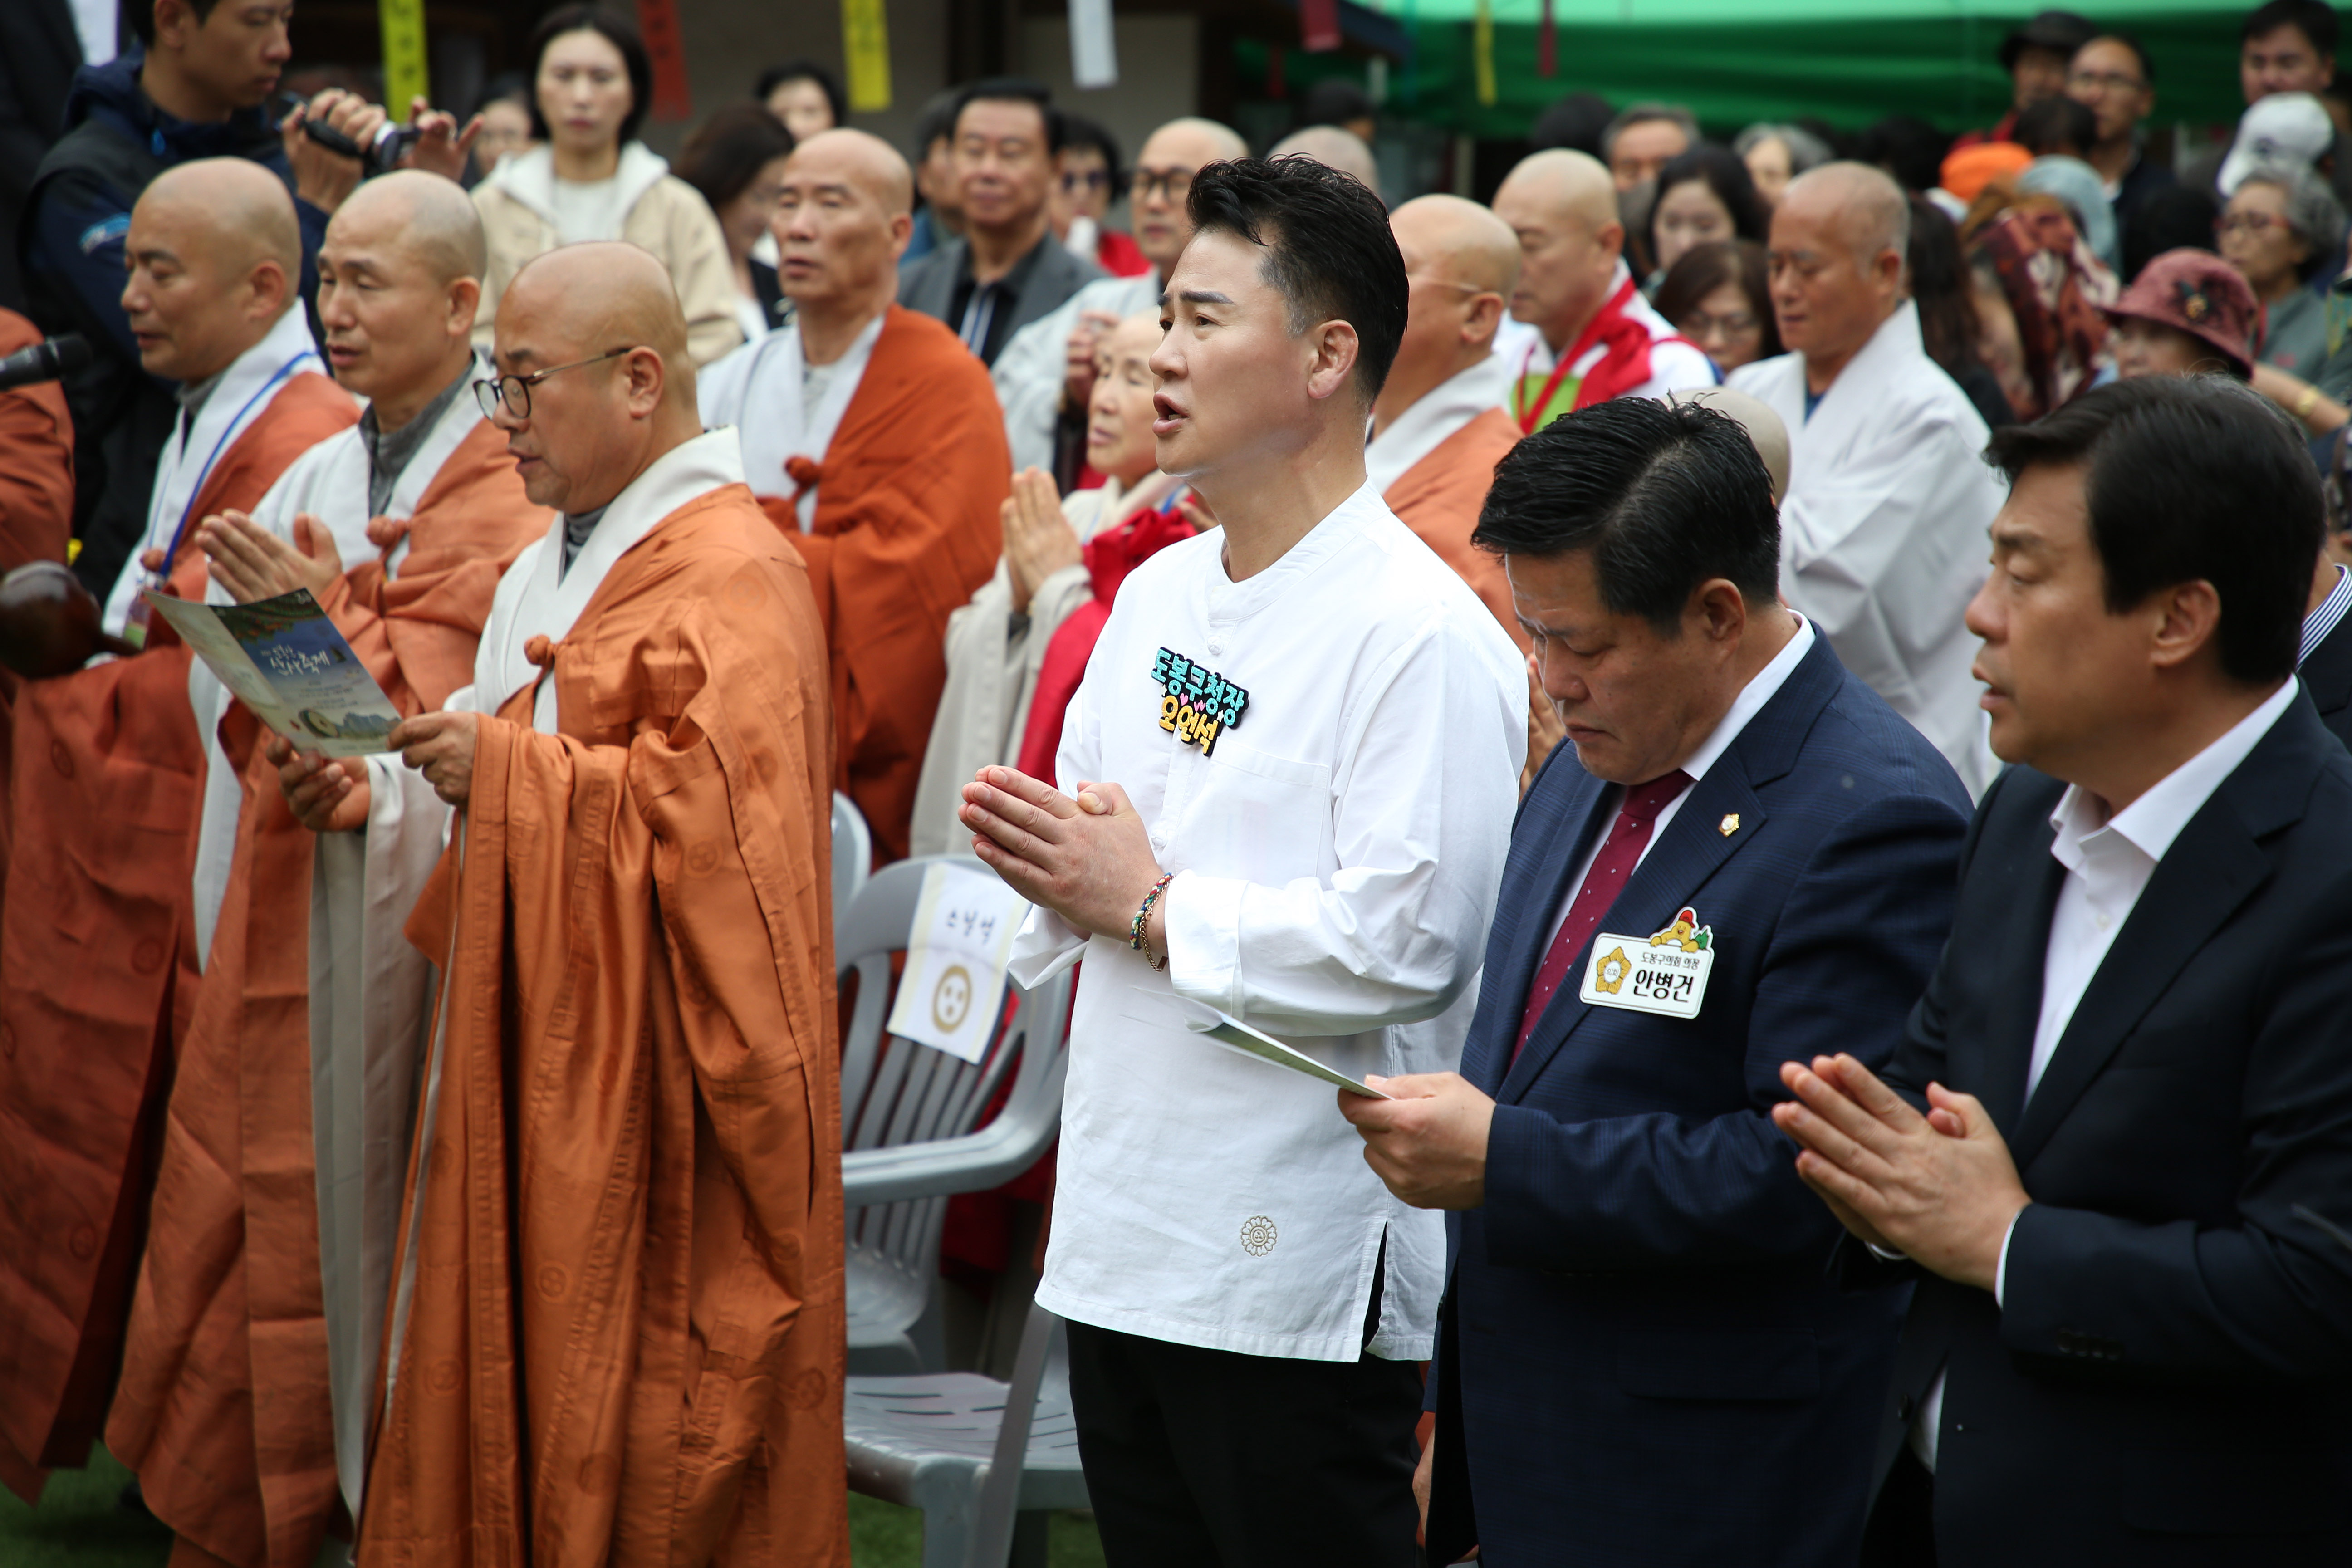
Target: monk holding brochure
column 616, row 1321
column 1269, row 832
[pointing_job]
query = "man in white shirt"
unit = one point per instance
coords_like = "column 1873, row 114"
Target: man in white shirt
column 1307, row 735
column 1882, row 532
column 1596, row 337
column 2112, row 1145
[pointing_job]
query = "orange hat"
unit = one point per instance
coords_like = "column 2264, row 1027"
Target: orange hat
column 1968, row 171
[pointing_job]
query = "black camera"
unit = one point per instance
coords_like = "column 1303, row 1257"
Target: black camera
column 381, row 156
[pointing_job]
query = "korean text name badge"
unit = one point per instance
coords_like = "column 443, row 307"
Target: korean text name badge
column 1664, row 972
column 953, row 984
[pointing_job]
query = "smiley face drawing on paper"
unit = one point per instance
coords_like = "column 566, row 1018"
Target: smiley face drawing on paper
column 951, row 998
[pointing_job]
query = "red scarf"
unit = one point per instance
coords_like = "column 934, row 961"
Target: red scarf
column 1110, row 556
column 1625, row 366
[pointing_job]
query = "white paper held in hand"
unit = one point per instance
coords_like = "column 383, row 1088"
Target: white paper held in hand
column 1235, row 1035
column 953, row 984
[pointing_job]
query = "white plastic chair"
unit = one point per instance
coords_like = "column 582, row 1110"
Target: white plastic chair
column 853, row 857
column 908, row 1123
column 987, row 1462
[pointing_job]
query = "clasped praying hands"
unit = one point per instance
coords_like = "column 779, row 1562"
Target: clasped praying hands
column 1086, row 858
column 1939, row 1188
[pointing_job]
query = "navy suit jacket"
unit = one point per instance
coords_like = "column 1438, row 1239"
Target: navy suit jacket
column 1643, row 1357
column 2167, row 1379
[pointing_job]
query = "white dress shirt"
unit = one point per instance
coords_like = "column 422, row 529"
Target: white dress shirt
column 2109, row 861
column 1336, row 855
column 1761, row 688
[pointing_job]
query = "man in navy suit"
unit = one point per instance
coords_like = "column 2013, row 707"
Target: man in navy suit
column 1642, row 1360
column 2114, row 1148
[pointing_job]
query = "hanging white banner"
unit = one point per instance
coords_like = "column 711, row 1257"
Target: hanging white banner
column 1094, row 53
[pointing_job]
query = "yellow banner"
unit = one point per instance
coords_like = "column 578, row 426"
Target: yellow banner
column 1482, row 52
column 404, row 53
column 865, row 39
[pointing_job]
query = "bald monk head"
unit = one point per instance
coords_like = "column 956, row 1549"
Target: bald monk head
column 216, row 258
column 1766, row 432
column 602, row 326
column 1171, row 155
column 1462, row 262
column 1562, row 206
column 1334, row 149
column 400, row 276
column 1839, row 239
column 841, row 226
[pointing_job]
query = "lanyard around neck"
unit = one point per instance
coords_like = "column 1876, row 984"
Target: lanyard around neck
column 236, row 420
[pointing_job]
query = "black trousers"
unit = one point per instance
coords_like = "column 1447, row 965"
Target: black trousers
column 1902, row 1528
column 1202, row 1458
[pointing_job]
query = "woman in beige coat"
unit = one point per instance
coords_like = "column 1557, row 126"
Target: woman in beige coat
column 590, row 179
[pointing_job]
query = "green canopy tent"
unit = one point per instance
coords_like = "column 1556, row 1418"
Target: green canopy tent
column 1734, row 61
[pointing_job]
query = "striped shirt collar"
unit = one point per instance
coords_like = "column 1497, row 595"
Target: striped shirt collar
column 2324, row 620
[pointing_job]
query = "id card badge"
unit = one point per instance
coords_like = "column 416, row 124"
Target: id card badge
column 1664, row 972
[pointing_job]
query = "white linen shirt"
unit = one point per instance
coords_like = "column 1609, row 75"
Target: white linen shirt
column 2108, row 862
column 1336, row 855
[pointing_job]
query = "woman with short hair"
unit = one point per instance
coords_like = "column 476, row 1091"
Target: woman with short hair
column 590, row 179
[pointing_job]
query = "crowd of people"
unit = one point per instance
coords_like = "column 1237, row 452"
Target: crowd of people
column 1438, row 635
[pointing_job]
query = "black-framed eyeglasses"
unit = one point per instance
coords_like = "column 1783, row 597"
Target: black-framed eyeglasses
column 1177, row 183
column 514, row 390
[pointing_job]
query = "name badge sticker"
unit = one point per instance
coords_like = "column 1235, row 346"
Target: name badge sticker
column 1196, row 703
column 1664, row 972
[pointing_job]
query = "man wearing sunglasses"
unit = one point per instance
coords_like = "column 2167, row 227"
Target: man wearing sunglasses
column 638, row 997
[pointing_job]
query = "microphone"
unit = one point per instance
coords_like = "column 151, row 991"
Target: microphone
column 45, row 360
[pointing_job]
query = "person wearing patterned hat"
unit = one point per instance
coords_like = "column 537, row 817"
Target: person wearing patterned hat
column 2188, row 311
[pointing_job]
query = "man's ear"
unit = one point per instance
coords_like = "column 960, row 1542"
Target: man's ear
column 1333, row 366
column 2190, row 620
column 646, row 376
column 1484, row 320
column 269, row 287
column 464, row 304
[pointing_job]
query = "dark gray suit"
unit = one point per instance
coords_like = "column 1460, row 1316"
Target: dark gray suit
column 2170, row 1380
column 1053, row 275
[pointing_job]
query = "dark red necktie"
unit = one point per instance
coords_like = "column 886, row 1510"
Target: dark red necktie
column 1627, row 835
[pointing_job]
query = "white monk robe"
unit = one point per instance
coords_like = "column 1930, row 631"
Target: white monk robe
column 1882, row 532
column 330, row 481
column 798, row 407
column 241, row 395
column 372, row 991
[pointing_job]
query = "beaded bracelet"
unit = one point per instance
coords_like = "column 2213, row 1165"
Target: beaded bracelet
column 1143, row 915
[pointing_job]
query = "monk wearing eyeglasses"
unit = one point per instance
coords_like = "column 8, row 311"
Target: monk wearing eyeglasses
column 621, row 1217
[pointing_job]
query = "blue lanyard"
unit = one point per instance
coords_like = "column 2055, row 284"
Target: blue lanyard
column 179, row 535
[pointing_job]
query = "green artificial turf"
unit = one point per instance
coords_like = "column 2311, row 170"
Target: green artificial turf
column 80, row 1525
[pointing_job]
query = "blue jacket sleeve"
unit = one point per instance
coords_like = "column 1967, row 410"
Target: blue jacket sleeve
column 1857, row 938
column 74, row 234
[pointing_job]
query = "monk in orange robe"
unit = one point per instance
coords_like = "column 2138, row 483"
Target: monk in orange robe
column 37, row 476
column 889, row 481
column 223, row 1407
column 37, row 496
column 1438, row 429
column 617, row 1326
column 98, row 957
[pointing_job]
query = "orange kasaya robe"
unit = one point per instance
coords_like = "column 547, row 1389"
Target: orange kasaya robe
column 905, row 529
column 36, row 496
column 625, row 1342
column 222, row 1408
column 1438, row 497
column 97, row 979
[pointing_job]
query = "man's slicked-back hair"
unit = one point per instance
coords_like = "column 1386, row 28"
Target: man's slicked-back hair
column 1328, row 251
column 1013, row 89
column 1665, row 498
column 2191, row 478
